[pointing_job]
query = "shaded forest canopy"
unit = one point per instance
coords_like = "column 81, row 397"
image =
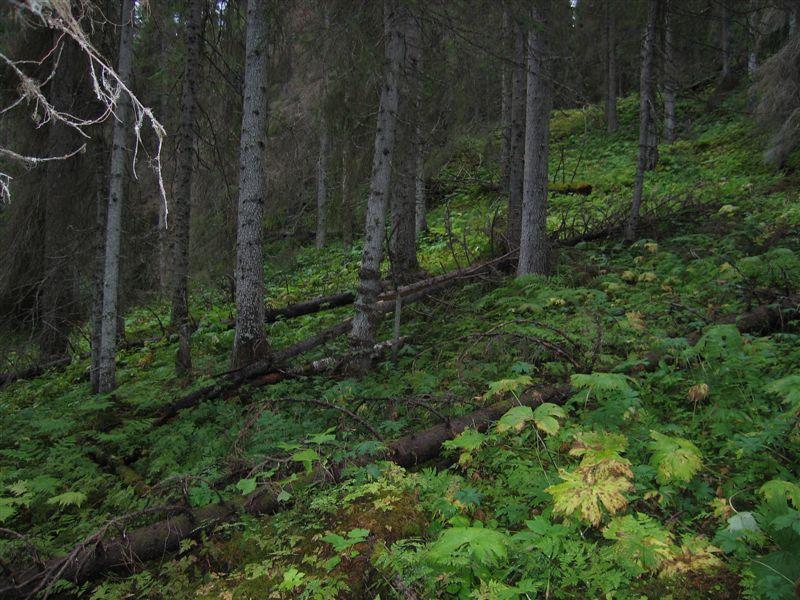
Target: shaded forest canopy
column 399, row 299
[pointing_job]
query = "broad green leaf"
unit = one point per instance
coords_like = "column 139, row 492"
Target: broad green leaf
column 639, row 539
column 674, row 458
column 306, row 457
column 485, row 547
column 515, row 418
column 246, row 486
column 777, row 490
column 545, row 417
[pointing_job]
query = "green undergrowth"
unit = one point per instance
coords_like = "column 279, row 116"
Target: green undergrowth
column 671, row 470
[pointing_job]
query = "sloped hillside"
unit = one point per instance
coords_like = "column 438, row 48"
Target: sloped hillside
column 634, row 416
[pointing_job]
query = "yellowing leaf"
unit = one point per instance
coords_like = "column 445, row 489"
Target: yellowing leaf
column 545, row 417
column 601, row 452
column 504, row 386
column 635, row 320
column 698, row 392
column 515, row 418
column 695, row 554
column 647, row 277
column 675, row 459
column 651, row 247
column 581, row 492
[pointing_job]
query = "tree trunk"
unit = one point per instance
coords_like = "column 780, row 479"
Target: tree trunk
column 646, row 119
column 347, row 209
column 250, row 342
column 534, row 244
column 322, row 175
column 726, row 40
column 107, row 380
column 101, row 218
column 420, row 203
column 612, row 122
column 755, row 39
column 165, row 50
column 56, row 298
column 181, row 205
column 403, row 241
column 505, row 105
column 516, row 167
column 670, row 83
column 324, row 146
column 366, row 317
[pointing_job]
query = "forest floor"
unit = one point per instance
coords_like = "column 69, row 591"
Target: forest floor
column 671, row 470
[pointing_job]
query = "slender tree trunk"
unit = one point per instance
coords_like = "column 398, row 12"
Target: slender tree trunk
column 670, row 83
column 106, row 380
column 505, row 105
column 322, row 175
column 612, row 122
column 403, row 241
column 55, row 299
column 347, row 209
column 534, row 245
column 324, row 147
column 755, row 39
column 645, row 117
column 366, row 317
column 250, row 342
column 516, row 167
column 183, row 194
column 101, row 219
column 420, row 205
column 726, row 40
column 164, row 276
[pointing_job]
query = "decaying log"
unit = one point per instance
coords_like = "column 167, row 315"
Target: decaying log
column 309, row 306
column 260, row 374
column 34, row 371
column 118, row 549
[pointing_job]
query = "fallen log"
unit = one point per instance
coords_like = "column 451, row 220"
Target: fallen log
column 34, row 371
column 104, row 551
column 266, row 373
column 309, row 306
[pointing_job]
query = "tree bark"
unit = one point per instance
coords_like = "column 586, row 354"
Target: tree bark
column 726, row 40
column 670, row 81
column 106, row 380
column 516, row 167
column 347, row 209
column 534, row 243
column 165, row 50
column 403, row 241
column 420, row 201
column 612, row 122
column 366, row 317
column 324, row 146
column 505, row 104
column 181, row 205
column 646, row 119
column 101, row 210
column 250, row 342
